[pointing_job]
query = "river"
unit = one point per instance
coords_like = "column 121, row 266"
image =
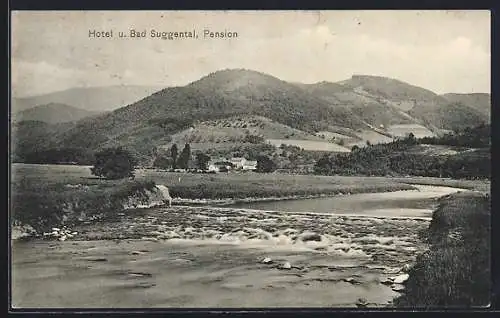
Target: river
column 412, row 203
column 323, row 252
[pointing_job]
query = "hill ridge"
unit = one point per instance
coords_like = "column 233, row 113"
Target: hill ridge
column 364, row 109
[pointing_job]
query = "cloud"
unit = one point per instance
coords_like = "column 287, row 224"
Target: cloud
column 291, row 46
column 456, row 64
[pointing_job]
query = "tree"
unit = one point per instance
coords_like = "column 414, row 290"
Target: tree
column 264, row 164
column 162, row 162
column 183, row 160
column 323, row 164
column 202, row 161
column 411, row 140
column 173, row 153
column 113, row 163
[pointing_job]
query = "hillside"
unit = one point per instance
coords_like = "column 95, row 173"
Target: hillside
column 478, row 101
column 212, row 113
column 152, row 120
column 31, row 135
column 88, row 98
column 238, row 129
column 401, row 94
column 452, row 116
column 381, row 101
column 53, row 113
column 356, row 104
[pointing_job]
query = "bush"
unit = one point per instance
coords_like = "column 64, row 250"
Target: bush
column 264, row 164
column 202, row 161
column 163, row 162
column 113, row 163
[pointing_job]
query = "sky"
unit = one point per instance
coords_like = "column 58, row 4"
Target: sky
column 444, row 51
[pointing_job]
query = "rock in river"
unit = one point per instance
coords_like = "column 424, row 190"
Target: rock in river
column 401, row 278
column 397, row 287
column 310, row 236
column 286, row 265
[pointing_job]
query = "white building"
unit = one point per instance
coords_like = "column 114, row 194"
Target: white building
column 238, row 162
column 250, row 165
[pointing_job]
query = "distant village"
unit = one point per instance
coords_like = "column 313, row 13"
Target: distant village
column 222, row 164
column 235, row 163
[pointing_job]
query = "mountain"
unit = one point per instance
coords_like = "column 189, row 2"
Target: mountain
column 219, row 105
column 478, row 101
column 90, row 98
column 402, row 95
column 381, row 101
column 53, row 113
column 217, row 95
column 355, row 102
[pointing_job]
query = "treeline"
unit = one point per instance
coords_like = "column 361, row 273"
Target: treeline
column 78, row 156
column 476, row 137
column 394, row 159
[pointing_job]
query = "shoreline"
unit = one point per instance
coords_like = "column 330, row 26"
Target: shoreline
column 230, row 201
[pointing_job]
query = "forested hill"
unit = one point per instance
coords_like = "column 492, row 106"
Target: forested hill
column 357, row 108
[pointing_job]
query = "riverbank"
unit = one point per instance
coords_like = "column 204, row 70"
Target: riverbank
column 455, row 271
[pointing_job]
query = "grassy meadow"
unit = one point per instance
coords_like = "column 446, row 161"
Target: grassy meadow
column 455, row 271
column 208, row 186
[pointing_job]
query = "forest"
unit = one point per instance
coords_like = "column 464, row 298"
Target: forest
column 397, row 158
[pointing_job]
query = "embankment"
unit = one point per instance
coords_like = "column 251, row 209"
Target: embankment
column 40, row 209
column 455, row 270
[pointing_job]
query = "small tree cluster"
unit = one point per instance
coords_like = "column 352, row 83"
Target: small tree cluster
column 265, row 164
column 202, row 161
column 183, row 159
column 114, row 163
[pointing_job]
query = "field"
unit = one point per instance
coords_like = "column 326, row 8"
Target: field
column 403, row 130
column 188, row 185
column 372, row 136
column 230, row 185
column 309, row 145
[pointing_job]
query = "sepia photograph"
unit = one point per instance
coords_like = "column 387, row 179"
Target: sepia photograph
column 250, row 159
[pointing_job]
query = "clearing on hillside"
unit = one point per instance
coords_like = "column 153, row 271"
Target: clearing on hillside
column 403, row 130
column 309, row 145
column 237, row 130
